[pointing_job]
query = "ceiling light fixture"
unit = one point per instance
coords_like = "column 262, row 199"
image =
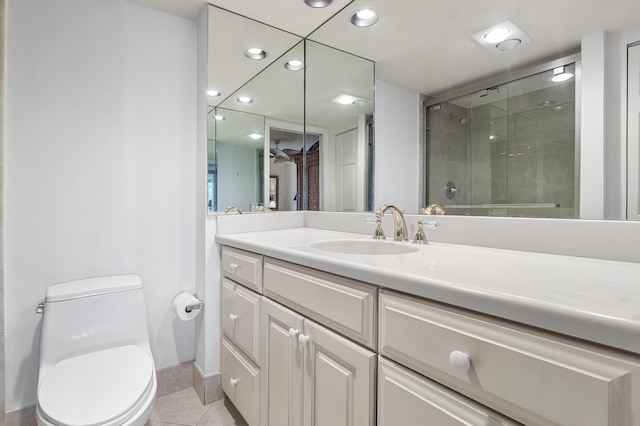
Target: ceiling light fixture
column 350, row 100
column 255, row 53
column 560, row 75
column 364, row 17
column 255, row 136
column 244, row 100
column 294, row 65
column 497, row 35
column 213, row 93
column 218, row 117
column 344, row 100
column 502, row 37
column 507, row 45
column 318, row 3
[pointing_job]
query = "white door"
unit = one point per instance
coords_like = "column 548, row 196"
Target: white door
column 281, row 403
column 339, row 380
column 349, row 189
column 633, row 133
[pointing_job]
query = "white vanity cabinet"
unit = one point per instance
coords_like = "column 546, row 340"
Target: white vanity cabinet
column 240, row 319
column 311, row 374
column 531, row 376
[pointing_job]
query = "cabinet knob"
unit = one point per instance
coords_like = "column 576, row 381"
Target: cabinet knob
column 303, row 339
column 233, row 317
column 234, row 267
column 460, row 361
column 293, row 333
column 233, row 382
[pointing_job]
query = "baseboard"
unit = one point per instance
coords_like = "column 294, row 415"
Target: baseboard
column 208, row 389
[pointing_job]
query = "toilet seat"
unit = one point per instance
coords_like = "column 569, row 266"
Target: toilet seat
column 97, row 388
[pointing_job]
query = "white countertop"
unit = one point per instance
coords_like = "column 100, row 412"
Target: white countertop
column 592, row 299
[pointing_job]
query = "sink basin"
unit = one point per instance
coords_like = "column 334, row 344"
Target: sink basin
column 369, row 247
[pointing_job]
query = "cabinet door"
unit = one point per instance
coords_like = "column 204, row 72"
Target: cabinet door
column 339, row 379
column 281, row 403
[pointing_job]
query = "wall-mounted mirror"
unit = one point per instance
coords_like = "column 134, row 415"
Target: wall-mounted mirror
column 307, row 120
column 427, row 49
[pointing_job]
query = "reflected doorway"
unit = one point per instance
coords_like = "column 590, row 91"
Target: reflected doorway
column 295, row 163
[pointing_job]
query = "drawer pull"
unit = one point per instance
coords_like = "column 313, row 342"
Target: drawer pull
column 233, row 382
column 460, row 361
column 234, row 267
column 233, row 317
column 303, row 339
column 293, row 333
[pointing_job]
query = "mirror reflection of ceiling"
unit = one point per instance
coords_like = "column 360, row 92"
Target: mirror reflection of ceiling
column 427, row 46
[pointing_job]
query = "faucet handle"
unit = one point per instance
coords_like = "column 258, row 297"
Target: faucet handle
column 379, row 233
column 421, row 237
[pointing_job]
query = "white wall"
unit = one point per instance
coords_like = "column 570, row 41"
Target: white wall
column 397, row 162
column 100, row 165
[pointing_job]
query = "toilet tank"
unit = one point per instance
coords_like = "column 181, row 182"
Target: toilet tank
column 92, row 314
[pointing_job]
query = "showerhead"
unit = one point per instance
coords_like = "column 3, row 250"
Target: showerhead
column 462, row 120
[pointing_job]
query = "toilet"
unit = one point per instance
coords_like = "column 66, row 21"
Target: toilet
column 96, row 366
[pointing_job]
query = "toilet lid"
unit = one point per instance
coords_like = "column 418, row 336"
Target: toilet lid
column 97, row 387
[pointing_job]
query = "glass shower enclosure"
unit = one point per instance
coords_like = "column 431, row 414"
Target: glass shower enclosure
column 507, row 150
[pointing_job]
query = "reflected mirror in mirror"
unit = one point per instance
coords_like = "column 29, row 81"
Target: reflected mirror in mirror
column 235, row 159
column 333, row 167
column 340, row 105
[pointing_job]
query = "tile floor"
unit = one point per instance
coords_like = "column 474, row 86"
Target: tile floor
column 183, row 408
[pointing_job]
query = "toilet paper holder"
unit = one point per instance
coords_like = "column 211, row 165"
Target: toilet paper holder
column 194, row 306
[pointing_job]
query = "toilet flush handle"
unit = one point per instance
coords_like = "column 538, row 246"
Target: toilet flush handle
column 40, row 308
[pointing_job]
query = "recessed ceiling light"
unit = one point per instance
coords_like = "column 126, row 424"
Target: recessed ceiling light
column 364, row 18
column 344, row 100
column 244, row 100
column 255, row 53
column 318, row 3
column 350, row 100
column 255, row 136
column 294, row 65
column 213, row 93
column 497, row 35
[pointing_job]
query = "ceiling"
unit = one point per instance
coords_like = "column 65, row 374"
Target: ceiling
column 426, row 45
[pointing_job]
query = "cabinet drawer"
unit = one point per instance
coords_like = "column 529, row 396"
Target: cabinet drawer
column 532, row 377
column 240, row 382
column 243, row 267
column 241, row 317
column 345, row 305
column 406, row 398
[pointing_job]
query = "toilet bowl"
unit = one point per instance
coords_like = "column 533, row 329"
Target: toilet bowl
column 96, row 366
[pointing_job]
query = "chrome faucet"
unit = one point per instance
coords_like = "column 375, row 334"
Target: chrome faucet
column 399, row 225
column 433, row 208
column 232, row 208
